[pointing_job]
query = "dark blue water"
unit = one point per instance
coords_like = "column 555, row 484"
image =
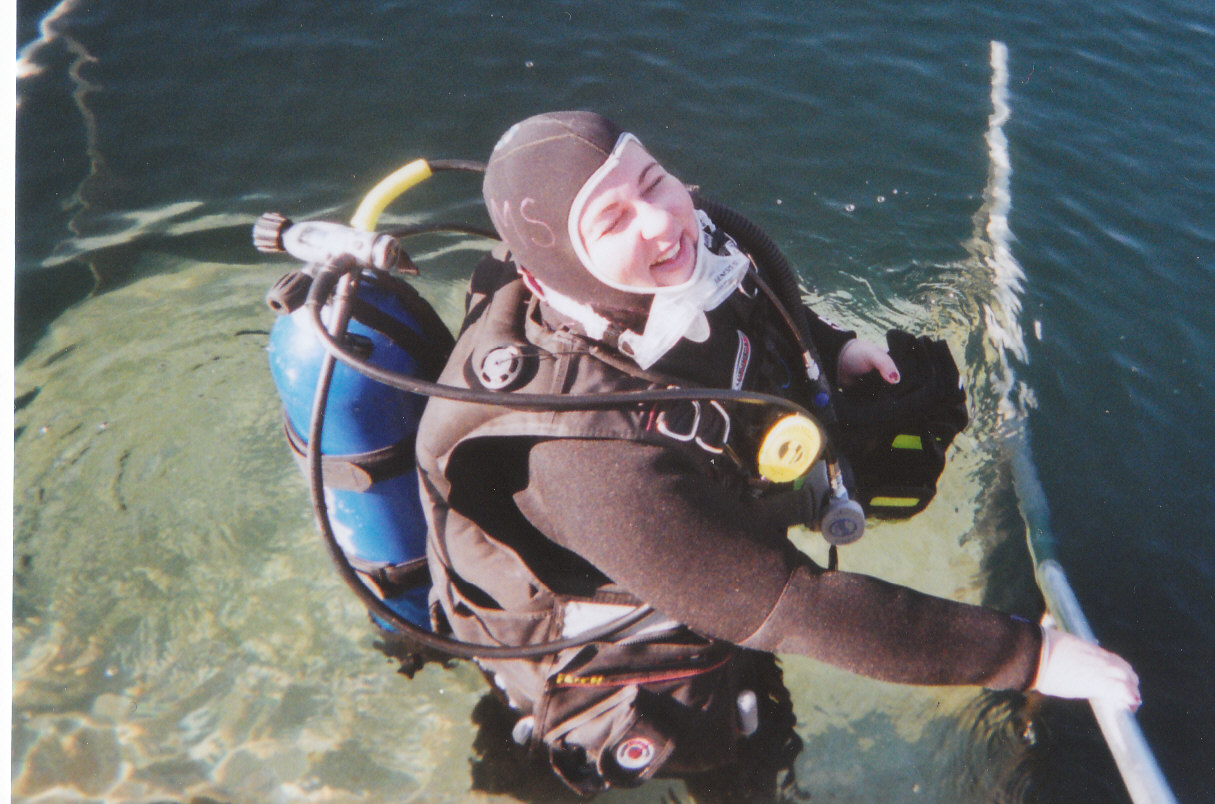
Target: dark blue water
column 151, row 134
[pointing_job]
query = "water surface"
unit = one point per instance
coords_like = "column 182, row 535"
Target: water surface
column 178, row 634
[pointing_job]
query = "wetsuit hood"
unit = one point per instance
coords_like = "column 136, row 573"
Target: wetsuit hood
column 537, row 178
column 533, row 176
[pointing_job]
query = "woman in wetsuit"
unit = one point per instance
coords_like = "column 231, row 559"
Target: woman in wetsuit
column 543, row 523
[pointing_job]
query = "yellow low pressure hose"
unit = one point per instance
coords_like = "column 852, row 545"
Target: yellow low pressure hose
column 375, row 202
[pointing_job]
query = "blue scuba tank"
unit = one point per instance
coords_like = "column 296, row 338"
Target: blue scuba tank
column 371, row 486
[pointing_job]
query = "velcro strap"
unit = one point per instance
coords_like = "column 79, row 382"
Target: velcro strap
column 357, row 472
column 393, row 580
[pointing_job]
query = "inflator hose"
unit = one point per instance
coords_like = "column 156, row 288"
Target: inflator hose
column 789, row 302
column 763, row 248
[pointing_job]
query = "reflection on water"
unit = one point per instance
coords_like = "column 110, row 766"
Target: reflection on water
column 176, row 628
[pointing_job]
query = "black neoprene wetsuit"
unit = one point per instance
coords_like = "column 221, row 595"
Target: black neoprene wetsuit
column 581, row 512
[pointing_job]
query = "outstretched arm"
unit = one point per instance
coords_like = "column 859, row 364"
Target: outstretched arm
column 725, row 568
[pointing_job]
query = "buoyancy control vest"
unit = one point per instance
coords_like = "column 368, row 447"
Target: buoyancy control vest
column 610, row 712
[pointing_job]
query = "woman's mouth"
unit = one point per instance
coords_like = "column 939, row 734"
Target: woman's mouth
column 670, row 253
column 673, row 264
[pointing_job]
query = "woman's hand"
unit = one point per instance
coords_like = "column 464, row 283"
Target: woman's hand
column 1071, row 667
column 859, row 357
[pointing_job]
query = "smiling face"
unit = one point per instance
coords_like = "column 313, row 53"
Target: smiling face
column 635, row 222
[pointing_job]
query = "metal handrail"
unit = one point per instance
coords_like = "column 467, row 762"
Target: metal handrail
column 1137, row 765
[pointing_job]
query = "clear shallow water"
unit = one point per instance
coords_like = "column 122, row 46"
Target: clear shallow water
column 177, row 632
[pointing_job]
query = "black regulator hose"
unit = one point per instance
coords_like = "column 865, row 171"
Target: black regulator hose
column 763, row 248
column 321, row 289
column 788, row 300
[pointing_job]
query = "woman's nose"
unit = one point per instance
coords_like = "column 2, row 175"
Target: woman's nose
column 654, row 220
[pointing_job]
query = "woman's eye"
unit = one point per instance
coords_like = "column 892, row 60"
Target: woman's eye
column 611, row 224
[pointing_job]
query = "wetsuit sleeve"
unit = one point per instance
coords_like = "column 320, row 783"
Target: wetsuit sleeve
column 724, row 567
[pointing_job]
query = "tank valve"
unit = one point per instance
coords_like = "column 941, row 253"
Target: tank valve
column 324, row 242
column 268, row 233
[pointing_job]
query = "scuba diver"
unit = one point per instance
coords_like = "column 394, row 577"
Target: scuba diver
column 615, row 276
column 593, row 503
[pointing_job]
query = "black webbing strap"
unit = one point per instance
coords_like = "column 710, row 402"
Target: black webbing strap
column 357, row 472
column 393, row 580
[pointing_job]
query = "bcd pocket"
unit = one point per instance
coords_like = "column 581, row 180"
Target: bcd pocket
column 895, row 436
column 616, row 714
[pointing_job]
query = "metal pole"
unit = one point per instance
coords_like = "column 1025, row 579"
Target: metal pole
column 1142, row 776
column 1140, row 773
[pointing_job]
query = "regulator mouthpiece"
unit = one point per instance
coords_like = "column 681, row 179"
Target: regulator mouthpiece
column 323, row 242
